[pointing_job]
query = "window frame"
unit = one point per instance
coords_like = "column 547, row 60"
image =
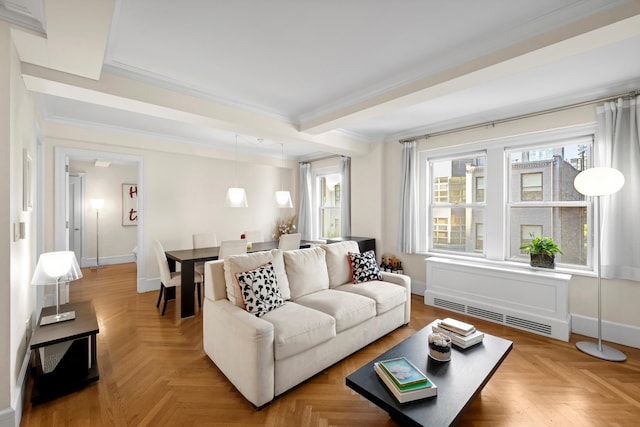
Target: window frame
column 496, row 224
column 318, row 206
column 431, row 224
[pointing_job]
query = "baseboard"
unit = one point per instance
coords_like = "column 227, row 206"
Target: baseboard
column 110, row 260
column 618, row 333
column 418, row 287
column 148, row 285
column 8, row 418
column 11, row 417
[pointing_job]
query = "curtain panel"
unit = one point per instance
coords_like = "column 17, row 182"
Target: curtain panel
column 407, row 215
column 345, row 196
column 618, row 146
column 305, row 219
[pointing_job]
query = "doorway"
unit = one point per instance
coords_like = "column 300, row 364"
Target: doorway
column 63, row 230
column 76, row 216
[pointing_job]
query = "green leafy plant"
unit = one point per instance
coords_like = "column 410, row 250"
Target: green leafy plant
column 541, row 245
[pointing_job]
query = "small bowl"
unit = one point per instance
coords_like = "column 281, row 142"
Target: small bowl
column 440, row 347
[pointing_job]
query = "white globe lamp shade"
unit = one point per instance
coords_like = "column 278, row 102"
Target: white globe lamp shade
column 97, row 203
column 599, row 181
column 236, row 198
column 283, row 199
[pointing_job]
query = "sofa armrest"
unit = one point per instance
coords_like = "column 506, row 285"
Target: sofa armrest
column 215, row 287
column 241, row 345
column 404, row 281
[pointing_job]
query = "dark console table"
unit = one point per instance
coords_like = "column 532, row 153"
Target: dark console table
column 364, row 243
column 64, row 353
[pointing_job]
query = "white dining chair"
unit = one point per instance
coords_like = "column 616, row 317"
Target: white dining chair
column 170, row 280
column 253, row 236
column 232, row 247
column 203, row 240
column 289, row 242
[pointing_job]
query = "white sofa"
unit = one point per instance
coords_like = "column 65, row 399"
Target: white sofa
column 324, row 319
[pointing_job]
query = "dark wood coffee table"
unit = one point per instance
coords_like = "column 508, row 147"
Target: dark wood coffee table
column 458, row 380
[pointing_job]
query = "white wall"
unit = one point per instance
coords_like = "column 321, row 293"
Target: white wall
column 16, row 256
column 116, row 241
column 618, row 295
column 367, row 198
column 184, row 188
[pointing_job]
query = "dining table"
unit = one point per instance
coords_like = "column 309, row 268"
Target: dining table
column 187, row 258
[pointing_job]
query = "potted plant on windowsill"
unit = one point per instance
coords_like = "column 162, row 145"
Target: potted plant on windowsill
column 542, row 251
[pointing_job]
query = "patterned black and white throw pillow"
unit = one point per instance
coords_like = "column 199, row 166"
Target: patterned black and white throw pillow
column 259, row 289
column 364, row 267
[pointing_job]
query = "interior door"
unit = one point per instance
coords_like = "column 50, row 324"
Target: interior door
column 76, row 226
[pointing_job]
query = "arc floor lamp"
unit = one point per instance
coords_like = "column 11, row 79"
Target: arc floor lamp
column 598, row 182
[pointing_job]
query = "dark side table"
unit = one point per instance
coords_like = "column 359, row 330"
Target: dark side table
column 64, row 354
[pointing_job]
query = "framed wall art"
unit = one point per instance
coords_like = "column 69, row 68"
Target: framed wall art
column 129, row 204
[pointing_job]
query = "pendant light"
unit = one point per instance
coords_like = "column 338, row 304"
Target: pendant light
column 283, row 198
column 236, row 196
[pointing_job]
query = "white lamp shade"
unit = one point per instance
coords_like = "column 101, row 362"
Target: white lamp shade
column 97, row 203
column 54, row 266
column 236, row 198
column 599, row 181
column 283, row 199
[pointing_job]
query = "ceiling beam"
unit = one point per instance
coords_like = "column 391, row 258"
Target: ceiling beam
column 131, row 95
column 590, row 33
column 77, row 33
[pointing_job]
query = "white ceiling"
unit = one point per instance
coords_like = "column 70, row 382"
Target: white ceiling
column 321, row 77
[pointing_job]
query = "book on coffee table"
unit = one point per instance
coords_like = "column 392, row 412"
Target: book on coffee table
column 457, row 326
column 403, row 372
column 458, row 340
column 406, row 393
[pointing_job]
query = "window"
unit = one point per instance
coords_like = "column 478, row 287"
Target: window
column 531, row 186
column 456, row 206
column 479, row 237
column 328, row 186
column 541, row 178
column 479, row 188
column 487, row 201
column 526, row 231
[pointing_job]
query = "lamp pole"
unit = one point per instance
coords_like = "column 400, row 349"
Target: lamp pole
column 598, row 182
column 97, row 238
column 97, row 204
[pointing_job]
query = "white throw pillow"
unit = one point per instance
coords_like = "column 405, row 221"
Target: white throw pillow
column 306, row 270
column 338, row 265
column 239, row 263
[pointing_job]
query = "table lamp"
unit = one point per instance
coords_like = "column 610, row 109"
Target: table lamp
column 598, row 182
column 53, row 268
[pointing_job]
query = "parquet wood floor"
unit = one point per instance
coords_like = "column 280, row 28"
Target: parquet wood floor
column 153, row 371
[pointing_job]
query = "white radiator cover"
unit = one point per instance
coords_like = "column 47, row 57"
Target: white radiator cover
column 524, row 298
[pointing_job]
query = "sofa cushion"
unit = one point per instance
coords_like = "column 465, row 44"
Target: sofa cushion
column 349, row 309
column 386, row 295
column 297, row 328
column 260, row 292
column 239, row 263
column 338, row 263
column 306, row 270
column 364, row 267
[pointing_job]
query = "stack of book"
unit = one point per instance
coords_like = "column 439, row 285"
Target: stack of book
column 406, row 382
column 462, row 334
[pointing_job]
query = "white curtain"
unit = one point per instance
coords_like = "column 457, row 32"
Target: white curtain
column 407, row 215
column 345, row 197
column 617, row 146
column 305, row 218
